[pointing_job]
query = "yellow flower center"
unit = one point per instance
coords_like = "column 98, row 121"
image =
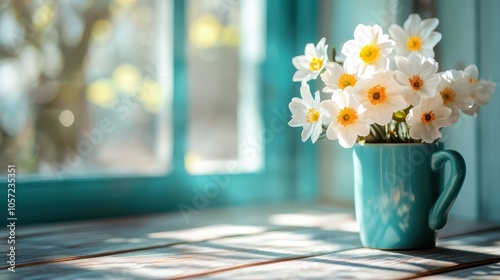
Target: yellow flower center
column 472, row 81
column 346, row 80
column 369, row 53
column 377, row 95
column 414, row 43
column 416, row 82
column 315, row 64
column 448, row 95
column 312, row 115
column 428, row 117
column 347, row 116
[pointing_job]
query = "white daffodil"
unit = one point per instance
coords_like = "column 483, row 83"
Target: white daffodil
column 368, row 51
column 426, row 119
column 310, row 65
column 483, row 90
column 418, row 77
column 416, row 37
column 335, row 77
column 380, row 96
column 346, row 121
column 307, row 113
column 456, row 92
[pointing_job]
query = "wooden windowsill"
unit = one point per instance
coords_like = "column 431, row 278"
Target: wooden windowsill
column 271, row 242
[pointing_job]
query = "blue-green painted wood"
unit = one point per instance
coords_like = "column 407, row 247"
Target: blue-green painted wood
column 307, row 25
column 180, row 98
column 457, row 49
column 288, row 174
column 489, row 129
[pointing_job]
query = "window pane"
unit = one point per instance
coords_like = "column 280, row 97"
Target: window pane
column 224, row 49
column 85, row 86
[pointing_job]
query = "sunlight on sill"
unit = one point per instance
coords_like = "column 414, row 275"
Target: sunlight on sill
column 207, row 232
column 126, row 240
column 334, row 221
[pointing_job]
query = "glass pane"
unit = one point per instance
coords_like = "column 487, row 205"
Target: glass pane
column 224, row 50
column 86, row 86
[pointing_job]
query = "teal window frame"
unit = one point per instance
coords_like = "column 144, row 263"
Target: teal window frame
column 289, row 172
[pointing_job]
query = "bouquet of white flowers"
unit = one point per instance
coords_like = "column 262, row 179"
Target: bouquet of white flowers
column 387, row 90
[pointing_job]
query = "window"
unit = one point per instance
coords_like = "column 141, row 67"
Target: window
column 79, row 96
column 203, row 90
column 225, row 46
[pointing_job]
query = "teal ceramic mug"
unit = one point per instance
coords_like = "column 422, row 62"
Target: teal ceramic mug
column 401, row 196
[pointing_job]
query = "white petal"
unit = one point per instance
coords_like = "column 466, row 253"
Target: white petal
column 454, row 116
column 300, row 75
column 347, row 137
column 305, row 93
column 427, row 52
column 432, row 103
column 362, row 128
column 306, row 132
column 321, row 44
column 472, row 110
column 331, row 133
column 412, row 24
column 298, row 121
column 429, row 133
column 300, row 62
column 432, row 40
column 351, row 64
column 298, row 105
column 317, row 129
column 350, row 47
column 416, row 130
column 413, row 117
column 398, row 34
column 310, row 51
column 472, row 71
column 427, row 26
column 363, row 34
column 403, row 64
column 402, row 78
column 442, row 113
column 330, row 106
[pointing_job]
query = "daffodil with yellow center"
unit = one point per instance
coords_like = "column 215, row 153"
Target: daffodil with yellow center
column 346, row 121
column 427, row 118
column 455, row 92
column 418, row 76
column 483, row 90
column 416, row 36
column 335, row 77
column 310, row 65
column 380, row 96
column 307, row 113
column 368, row 52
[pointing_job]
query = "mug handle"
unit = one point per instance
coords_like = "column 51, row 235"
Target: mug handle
column 438, row 215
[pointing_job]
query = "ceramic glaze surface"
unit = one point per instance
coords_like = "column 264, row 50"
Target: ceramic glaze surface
column 400, row 196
